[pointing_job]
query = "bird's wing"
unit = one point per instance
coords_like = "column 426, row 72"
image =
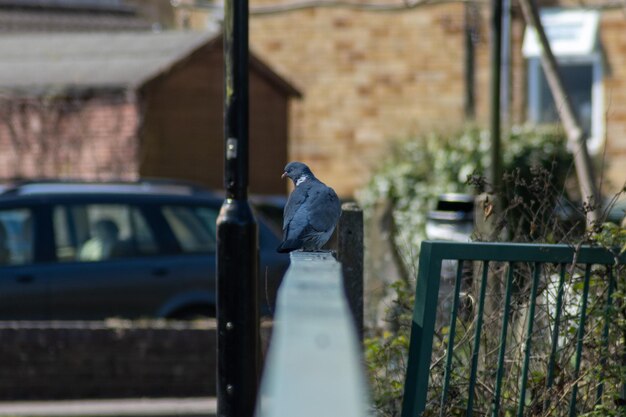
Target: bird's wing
column 324, row 208
column 294, row 205
column 310, row 210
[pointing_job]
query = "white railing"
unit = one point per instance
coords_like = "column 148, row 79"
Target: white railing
column 314, row 364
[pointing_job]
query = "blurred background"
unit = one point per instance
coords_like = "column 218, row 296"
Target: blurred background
column 111, row 160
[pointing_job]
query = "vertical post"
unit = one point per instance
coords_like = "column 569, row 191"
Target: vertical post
column 505, row 80
column 238, row 342
column 422, row 330
column 470, row 97
column 496, row 71
column 350, row 251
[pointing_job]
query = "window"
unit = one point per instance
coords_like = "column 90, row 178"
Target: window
column 574, row 41
column 582, row 82
column 16, row 237
column 194, row 227
column 98, row 232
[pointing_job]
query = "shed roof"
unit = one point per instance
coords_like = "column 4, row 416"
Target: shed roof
column 36, row 63
column 107, row 6
column 21, row 16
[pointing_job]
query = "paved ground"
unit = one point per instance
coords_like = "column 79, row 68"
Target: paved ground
column 136, row 407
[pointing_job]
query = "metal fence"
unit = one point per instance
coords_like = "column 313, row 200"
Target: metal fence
column 512, row 329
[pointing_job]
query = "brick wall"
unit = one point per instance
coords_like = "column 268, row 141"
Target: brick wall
column 367, row 78
column 72, row 138
column 613, row 30
column 613, row 44
column 371, row 77
column 65, row 360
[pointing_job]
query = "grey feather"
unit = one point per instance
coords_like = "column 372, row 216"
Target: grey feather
column 311, row 213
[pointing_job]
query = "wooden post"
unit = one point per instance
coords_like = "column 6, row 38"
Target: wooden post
column 350, row 253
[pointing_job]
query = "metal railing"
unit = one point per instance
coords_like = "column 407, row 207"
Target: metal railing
column 314, row 363
column 522, row 353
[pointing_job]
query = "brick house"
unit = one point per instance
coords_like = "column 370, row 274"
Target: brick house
column 128, row 104
column 373, row 76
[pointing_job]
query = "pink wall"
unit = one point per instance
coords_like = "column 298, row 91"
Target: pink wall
column 69, row 138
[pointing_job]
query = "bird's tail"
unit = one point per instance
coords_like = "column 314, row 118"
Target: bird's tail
column 289, row 245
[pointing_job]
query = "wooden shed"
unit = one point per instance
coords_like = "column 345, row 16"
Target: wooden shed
column 163, row 91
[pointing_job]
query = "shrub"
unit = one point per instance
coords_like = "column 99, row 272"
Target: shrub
column 417, row 171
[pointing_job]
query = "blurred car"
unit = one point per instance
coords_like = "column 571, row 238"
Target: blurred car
column 71, row 250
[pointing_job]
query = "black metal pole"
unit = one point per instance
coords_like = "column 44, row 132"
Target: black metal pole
column 496, row 71
column 238, row 342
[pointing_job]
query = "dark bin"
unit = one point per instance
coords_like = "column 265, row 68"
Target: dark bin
column 452, row 219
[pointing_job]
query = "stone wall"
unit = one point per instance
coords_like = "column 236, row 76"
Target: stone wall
column 114, row 359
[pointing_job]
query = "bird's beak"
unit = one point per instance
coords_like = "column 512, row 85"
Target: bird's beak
column 284, row 175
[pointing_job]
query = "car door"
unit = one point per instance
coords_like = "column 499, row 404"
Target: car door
column 192, row 256
column 107, row 262
column 194, row 228
column 23, row 288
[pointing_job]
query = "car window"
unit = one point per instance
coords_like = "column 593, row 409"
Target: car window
column 193, row 227
column 16, row 237
column 97, row 232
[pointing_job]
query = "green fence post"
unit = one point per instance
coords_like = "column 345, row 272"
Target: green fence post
column 422, row 329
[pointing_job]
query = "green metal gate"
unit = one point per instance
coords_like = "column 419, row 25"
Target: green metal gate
column 552, row 316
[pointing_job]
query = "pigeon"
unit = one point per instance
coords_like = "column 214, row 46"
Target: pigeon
column 311, row 213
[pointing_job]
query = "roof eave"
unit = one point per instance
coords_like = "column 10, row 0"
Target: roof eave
column 160, row 73
column 81, row 91
column 272, row 76
column 256, row 63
